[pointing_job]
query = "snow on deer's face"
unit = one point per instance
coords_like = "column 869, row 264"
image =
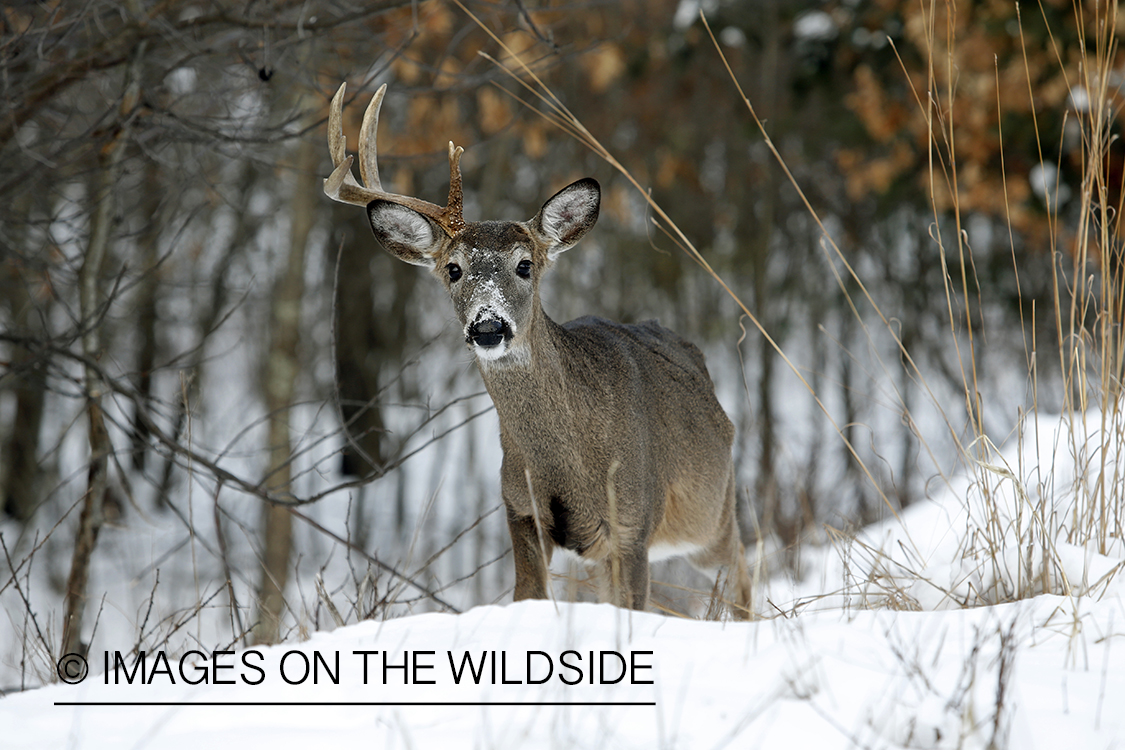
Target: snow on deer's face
column 492, row 275
column 491, row 269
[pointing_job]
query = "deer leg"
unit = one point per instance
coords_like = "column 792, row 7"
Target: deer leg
column 727, row 563
column 725, row 556
column 531, row 558
column 738, row 577
column 624, row 576
column 636, row 579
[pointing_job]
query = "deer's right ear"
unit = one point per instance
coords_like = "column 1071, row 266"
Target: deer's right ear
column 405, row 233
column 568, row 215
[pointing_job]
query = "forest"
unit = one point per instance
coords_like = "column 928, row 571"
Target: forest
column 228, row 417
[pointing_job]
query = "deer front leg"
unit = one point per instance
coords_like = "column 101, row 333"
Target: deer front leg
column 531, row 558
column 624, row 575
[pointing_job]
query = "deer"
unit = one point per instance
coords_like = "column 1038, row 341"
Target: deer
column 615, row 447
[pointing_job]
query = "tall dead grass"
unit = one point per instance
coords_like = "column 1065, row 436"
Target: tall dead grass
column 1036, row 513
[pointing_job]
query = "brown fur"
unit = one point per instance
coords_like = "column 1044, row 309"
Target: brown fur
column 579, row 399
column 585, row 408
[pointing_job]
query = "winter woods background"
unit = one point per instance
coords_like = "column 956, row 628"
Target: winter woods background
column 226, row 415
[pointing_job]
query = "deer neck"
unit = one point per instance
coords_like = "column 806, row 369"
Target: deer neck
column 535, row 405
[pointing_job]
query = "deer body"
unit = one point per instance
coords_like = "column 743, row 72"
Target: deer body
column 638, row 413
column 615, row 447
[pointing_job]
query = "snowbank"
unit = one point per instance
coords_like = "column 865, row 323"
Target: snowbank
column 1043, row 673
column 833, row 672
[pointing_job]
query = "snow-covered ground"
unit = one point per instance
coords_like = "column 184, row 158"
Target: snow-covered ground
column 873, row 650
column 824, row 680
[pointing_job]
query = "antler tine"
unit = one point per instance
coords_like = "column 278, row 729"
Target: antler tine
column 341, row 185
column 455, row 205
column 368, row 152
column 337, row 141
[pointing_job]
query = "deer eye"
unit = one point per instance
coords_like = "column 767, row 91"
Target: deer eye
column 523, row 270
column 454, row 271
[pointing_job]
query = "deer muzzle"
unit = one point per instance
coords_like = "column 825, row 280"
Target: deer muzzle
column 489, row 332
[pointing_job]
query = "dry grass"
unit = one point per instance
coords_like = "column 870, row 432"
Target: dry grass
column 1029, row 522
column 1037, row 513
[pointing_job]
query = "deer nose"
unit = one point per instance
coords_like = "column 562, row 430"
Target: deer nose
column 489, row 332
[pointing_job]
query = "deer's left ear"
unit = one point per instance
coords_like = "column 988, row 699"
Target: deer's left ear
column 568, row 215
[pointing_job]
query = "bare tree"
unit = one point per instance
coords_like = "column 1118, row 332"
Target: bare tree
column 90, row 305
column 151, row 247
column 282, row 369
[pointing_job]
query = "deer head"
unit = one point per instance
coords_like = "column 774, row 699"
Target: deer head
column 491, row 269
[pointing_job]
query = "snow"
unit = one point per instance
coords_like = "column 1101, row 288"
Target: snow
column 824, row 679
column 815, row 25
column 876, row 649
column 1013, row 529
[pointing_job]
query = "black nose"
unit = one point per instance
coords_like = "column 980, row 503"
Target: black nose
column 489, row 332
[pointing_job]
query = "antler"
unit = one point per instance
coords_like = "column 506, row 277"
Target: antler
column 341, row 185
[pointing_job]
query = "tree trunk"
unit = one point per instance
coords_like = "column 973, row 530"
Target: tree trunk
column 19, row 494
column 358, row 341
column 89, row 304
column 766, row 485
column 19, row 459
column 282, row 368
column 145, row 317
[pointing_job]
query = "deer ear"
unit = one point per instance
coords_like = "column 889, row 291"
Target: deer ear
column 568, row 215
column 405, row 233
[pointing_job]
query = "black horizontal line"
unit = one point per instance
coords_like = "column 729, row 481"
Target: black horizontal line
column 355, row 703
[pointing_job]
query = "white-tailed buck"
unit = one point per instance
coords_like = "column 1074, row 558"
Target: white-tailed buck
column 615, row 447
